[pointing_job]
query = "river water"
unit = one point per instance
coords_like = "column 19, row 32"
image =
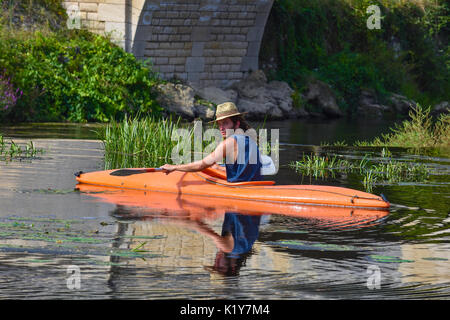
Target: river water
column 59, row 242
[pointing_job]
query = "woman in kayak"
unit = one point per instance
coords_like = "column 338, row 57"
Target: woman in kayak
column 241, row 152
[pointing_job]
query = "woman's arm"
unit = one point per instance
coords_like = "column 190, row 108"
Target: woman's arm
column 216, row 156
column 189, row 167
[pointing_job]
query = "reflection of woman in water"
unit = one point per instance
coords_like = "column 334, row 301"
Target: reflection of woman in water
column 239, row 232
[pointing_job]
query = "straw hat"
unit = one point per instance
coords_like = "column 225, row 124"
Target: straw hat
column 226, row 110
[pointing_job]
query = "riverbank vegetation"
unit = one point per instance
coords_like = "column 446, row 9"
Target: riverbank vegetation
column 329, row 40
column 419, row 134
column 139, row 142
column 66, row 75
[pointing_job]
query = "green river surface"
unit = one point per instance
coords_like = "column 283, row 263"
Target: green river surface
column 48, row 229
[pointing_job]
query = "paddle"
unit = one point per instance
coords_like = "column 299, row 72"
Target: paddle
column 129, row 172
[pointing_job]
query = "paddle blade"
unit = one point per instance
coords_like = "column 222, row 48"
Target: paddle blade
column 129, row 172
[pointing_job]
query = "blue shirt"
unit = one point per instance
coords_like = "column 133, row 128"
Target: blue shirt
column 247, row 166
column 244, row 229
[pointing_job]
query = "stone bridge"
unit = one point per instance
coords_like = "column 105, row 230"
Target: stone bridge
column 205, row 42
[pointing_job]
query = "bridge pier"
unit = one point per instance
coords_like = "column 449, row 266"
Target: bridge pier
column 205, row 42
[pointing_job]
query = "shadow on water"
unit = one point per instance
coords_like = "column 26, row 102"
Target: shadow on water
column 154, row 246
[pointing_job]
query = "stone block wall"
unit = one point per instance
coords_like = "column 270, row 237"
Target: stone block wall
column 116, row 18
column 206, row 42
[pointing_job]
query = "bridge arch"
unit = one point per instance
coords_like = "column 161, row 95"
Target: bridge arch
column 206, row 42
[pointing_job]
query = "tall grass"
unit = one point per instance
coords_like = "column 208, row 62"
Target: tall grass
column 318, row 166
column 417, row 133
column 391, row 172
column 153, row 141
column 133, row 143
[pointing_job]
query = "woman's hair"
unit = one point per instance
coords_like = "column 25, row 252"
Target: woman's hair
column 243, row 123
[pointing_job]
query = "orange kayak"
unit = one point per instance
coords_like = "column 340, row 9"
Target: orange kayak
column 166, row 205
column 211, row 183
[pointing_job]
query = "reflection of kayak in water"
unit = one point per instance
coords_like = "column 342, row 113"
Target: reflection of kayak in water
column 168, row 205
column 211, row 183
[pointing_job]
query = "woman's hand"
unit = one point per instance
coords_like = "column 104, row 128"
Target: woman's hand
column 168, row 168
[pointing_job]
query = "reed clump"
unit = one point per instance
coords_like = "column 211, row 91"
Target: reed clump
column 145, row 142
column 391, row 172
column 385, row 170
column 417, row 134
column 320, row 166
column 10, row 151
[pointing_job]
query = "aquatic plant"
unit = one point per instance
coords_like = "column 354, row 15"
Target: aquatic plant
column 133, row 143
column 138, row 248
column 370, row 178
column 319, row 166
column 401, row 171
column 342, row 143
column 11, row 150
column 315, row 163
column 385, row 170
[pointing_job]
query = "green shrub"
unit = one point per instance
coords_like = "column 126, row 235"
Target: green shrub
column 347, row 73
column 418, row 133
column 74, row 76
column 329, row 39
